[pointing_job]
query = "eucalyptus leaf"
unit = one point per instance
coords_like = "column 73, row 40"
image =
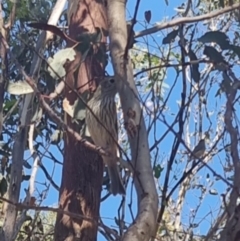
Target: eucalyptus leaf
column 213, row 54
column 148, row 16
column 221, row 3
column 38, row 112
column 58, row 61
column 26, row 177
column 8, row 104
column 216, row 37
column 77, row 110
column 235, row 49
column 26, row 165
column 170, row 37
column 87, row 41
column 157, row 171
column 194, row 67
column 213, row 192
column 19, row 88
column 226, row 84
column 3, row 186
column 56, row 137
column 80, row 106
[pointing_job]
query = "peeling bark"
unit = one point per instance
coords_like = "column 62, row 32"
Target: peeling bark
column 82, row 169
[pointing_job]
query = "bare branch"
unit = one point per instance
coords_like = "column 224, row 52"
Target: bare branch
column 21, row 206
column 185, row 20
column 232, row 224
column 52, row 114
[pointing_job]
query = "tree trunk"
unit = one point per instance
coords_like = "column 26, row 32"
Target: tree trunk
column 143, row 227
column 82, row 168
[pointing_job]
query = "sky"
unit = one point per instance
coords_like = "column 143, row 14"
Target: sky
column 109, row 208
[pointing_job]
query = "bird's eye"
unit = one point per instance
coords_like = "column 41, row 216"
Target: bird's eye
column 112, row 80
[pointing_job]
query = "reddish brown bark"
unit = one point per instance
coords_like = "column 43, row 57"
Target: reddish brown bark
column 82, row 169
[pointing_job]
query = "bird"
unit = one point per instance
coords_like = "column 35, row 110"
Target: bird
column 103, row 129
column 198, row 150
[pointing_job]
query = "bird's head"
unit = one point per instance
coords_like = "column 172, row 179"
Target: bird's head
column 107, row 87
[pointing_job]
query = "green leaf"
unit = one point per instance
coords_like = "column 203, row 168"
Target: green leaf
column 8, row 104
column 87, row 40
column 213, row 54
column 5, row 149
column 101, row 55
column 38, row 112
column 120, row 223
column 58, row 61
column 19, row 88
column 194, row 225
column 157, row 171
column 216, row 37
column 56, row 137
column 219, row 92
column 193, row 56
column 213, row 192
column 148, row 16
column 235, row 49
column 221, row 3
column 26, row 165
column 77, row 109
column 79, row 106
column 25, row 177
column 225, row 85
column 3, row 186
column 8, row 169
column 194, row 67
column 170, row 37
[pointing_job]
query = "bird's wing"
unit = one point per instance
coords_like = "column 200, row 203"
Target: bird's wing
column 116, row 136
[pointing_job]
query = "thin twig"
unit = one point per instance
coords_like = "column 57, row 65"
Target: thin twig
column 21, row 206
column 186, row 20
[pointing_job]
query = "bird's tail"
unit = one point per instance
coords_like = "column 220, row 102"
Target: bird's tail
column 116, row 183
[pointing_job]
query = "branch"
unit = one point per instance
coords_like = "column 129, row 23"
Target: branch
column 3, row 67
column 233, row 220
column 144, row 225
column 183, row 188
column 185, row 20
column 12, row 14
column 21, row 206
column 22, row 218
column 130, row 33
column 51, row 113
column 48, row 176
column 167, row 65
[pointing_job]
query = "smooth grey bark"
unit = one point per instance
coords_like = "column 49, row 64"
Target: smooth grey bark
column 145, row 222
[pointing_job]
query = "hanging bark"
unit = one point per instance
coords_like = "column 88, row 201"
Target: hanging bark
column 82, row 168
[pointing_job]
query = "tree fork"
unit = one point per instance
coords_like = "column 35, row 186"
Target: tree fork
column 82, row 173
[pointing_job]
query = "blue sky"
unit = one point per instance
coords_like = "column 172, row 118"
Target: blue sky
column 109, row 208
